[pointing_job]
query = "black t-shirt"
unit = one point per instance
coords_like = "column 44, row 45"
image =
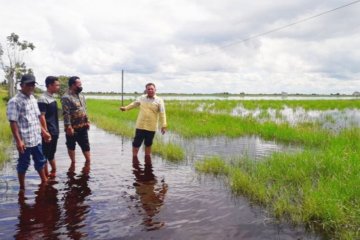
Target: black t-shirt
column 48, row 105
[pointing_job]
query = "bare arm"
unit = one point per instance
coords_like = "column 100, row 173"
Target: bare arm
column 44, row 130
column 19, row 142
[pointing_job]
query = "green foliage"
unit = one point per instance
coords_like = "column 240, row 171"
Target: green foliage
column 63, row 80
column 168, row 150
column 318, row 187
column 5, row 132
column 214, row 165
column 14, row 66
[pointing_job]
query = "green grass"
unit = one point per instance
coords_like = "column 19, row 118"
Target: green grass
column 317, row 187
column 5, row 132
column 228, row 105
column 188, row 122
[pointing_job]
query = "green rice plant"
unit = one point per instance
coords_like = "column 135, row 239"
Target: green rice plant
column 5, row 131
column 318, row 104
column 168, row 150
column 202, row 124
column 264, row 114
column 316, row 187
column 214, row 165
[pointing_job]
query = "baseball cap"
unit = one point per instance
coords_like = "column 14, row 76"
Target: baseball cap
column 28, row 78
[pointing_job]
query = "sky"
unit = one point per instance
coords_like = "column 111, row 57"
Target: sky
column 191, row 46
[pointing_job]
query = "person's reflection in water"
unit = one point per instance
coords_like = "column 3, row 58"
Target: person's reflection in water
column 151, row 195
column 39, row 220
column 76, row 209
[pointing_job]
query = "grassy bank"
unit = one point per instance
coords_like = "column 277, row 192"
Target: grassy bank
column 5, row 132
column 319, row 188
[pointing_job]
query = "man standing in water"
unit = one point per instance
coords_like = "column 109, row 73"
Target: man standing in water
column 152, row 108
column 50, row 121
column 24, row 117
column 76, row 122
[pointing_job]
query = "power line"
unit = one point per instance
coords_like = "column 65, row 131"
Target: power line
column 283, row 27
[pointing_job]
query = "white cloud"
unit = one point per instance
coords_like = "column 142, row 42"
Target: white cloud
column 181, row 44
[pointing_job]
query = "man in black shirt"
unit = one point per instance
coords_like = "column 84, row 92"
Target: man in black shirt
column 50, row 121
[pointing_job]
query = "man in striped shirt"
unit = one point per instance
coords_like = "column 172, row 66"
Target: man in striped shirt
column 24, row 117
column 152, row 109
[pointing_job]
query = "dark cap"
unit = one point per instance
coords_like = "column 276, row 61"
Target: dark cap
column 28, row 78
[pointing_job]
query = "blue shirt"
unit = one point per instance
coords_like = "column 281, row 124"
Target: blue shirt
column 24, row 110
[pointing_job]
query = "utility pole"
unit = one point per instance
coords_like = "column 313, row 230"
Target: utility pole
column 122, row 87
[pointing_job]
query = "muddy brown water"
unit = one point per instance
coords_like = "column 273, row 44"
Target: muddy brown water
column 116, row 199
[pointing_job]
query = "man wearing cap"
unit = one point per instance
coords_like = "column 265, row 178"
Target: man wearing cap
column 24, row 117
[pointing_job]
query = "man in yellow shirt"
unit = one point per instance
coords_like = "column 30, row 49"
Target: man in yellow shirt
column 152, row 109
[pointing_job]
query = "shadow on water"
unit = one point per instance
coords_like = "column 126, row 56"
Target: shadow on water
column 75, row 207
column 43, row 219
column 39, row 220
column 124, row 199
column 150, row 196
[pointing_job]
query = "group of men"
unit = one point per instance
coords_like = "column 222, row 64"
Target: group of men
column 35, row 124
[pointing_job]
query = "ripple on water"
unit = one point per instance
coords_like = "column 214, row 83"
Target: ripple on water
column 115, row 199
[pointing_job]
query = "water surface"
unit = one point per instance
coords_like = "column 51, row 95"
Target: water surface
column 112, row 198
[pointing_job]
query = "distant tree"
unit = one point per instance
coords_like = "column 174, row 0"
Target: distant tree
column 63, row 84
column 356, row 94
column 14, row 66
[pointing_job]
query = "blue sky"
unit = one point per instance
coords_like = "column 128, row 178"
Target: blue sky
column 180, row 44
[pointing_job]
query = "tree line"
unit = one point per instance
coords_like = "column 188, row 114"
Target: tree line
column 13, row 65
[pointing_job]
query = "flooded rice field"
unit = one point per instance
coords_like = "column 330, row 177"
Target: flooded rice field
column 252, row 147
column 229, row 97
column 117, row 198
column 333, row 120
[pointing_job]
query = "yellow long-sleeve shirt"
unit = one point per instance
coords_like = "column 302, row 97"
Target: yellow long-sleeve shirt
column 151, row 111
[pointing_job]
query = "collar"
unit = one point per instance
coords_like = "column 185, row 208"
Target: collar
column 151, row 97
column 49, row 94
column 70, row 92
column 21, row 94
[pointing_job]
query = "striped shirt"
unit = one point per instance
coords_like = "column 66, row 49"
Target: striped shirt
column 151, row 111
column 24, row 110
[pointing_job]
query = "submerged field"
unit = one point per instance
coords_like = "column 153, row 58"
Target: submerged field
column 318, row 186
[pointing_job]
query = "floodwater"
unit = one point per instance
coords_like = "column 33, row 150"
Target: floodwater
column 333, row 120
column 116, row 198
column 212, row 97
